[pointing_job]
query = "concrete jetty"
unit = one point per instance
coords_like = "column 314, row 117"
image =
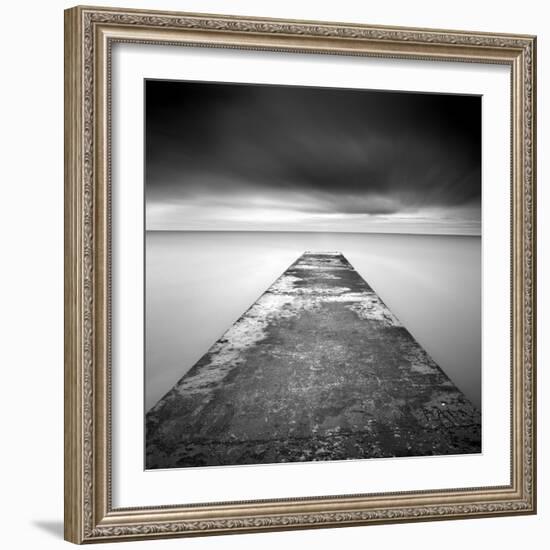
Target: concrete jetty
column 318, row 368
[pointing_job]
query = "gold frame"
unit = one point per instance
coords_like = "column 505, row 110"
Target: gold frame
column 89, row 35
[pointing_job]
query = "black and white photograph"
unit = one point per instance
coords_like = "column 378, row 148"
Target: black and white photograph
column 312, row 274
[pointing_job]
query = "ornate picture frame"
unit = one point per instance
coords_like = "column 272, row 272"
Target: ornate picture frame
column 90, row 34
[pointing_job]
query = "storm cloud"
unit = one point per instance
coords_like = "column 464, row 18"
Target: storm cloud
column 257, row 157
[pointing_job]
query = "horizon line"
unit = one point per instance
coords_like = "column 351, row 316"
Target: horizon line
column 320, row 232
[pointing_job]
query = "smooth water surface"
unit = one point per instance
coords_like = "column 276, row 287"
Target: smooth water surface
column 199, row 283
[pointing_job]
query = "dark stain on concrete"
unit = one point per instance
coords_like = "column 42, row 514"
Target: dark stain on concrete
column 317, row 369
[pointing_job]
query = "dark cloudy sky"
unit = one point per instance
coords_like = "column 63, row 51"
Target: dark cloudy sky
column 284, row 158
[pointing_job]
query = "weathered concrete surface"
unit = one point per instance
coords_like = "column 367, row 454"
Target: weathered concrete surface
column 317, row 369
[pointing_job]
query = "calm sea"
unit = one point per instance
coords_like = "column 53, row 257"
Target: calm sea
column 199, row 283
